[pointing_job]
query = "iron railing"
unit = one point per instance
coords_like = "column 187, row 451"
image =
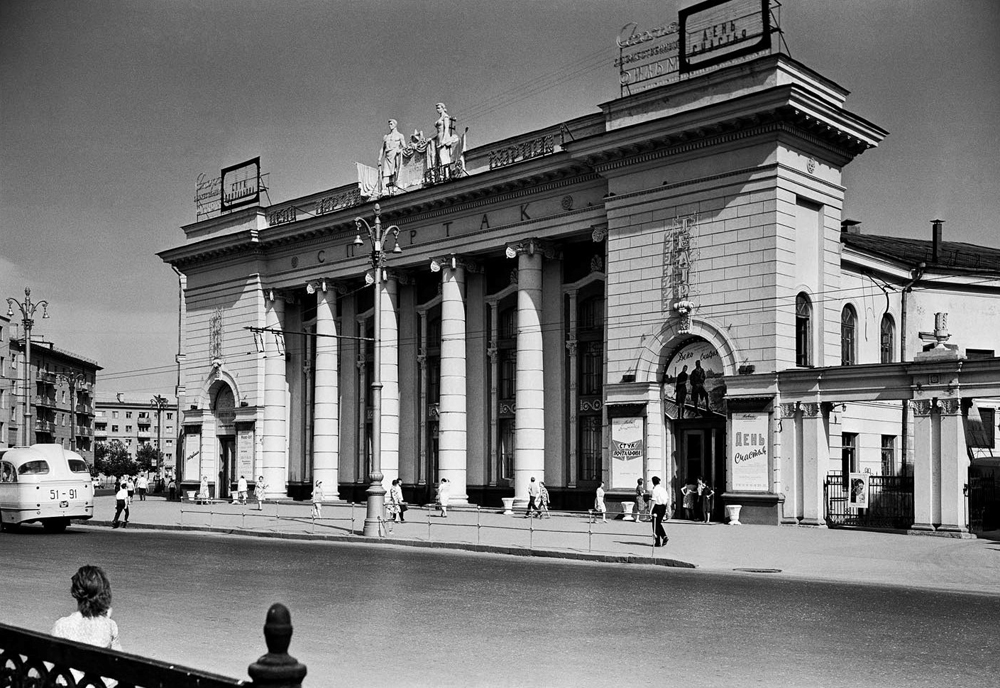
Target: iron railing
column 890, row 502
column 35, row 660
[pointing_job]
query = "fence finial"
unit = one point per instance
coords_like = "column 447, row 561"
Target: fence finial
column 277, row 668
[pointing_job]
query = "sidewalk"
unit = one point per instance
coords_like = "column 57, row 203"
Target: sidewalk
column 847, row 556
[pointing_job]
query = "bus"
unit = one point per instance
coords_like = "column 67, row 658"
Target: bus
column 44, row 483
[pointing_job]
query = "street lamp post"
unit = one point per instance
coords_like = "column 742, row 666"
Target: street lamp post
column 27, row 309
column 377, row 235
column 159, row 402
column 74, row 380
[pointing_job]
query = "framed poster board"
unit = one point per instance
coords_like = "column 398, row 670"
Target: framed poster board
column 748, row 451
column 628, row 451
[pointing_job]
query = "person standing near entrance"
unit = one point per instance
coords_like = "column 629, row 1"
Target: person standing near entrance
column 659, row 511
column 444, row 489
column 705, row 494
column 258, row 491
column 599, row 504
column 317, row 500
column 640, row 500
column 141, row 486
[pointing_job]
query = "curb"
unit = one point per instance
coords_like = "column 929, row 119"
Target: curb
column 458, row 546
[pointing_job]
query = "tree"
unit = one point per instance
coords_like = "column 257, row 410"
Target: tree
column 148, row 457
column 112, row 458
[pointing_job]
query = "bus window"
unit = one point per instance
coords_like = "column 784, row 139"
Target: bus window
column 77, row 466
column 33, row 468
column 7, row 473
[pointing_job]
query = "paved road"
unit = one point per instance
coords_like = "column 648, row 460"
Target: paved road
column 372, row 615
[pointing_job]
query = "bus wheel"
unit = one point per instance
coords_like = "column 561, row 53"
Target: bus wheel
column 55, row 525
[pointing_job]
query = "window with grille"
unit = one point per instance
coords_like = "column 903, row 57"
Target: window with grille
column 590, row 448
column 888, row 455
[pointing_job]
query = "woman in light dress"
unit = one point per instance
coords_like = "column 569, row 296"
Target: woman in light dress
column 444, row 490
column 599, row 505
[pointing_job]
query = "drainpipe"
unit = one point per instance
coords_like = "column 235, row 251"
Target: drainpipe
column 915, row 275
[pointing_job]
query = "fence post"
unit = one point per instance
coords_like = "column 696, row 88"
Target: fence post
column 277, row 668
column 590, row 530
column 479, row 525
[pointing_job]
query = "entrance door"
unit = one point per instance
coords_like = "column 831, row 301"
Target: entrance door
column 227, row 465
column 695, row 460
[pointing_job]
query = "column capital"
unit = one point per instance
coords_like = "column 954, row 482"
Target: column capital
column 810, row 409
column 788, row 410
column 324, row 285
column 923, row 407
column 531, row 247
column 455, row 261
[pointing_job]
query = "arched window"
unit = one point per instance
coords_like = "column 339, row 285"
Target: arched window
column 887, row 339
column 848, row 336
column 803, row 331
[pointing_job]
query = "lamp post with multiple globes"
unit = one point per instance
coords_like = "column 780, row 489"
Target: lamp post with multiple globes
column 27, row 309
column 377, row 236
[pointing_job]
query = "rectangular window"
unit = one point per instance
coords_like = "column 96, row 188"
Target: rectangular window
column 170, row 416
column 888, row 455
column 114, row 414
column 507, row 448
column 591, row 368
column 128, row 414
column 128, row 428
column 508, row 373
column 848, row 455
column 114, row 428
column 590, row 448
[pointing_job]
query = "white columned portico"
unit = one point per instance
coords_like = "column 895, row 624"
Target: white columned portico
column 529, row 415
column 274, row 450
column 452, row 405
column 389, row 369
column 326, row 404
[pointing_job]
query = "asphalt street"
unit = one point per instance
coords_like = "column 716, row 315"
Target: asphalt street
column 381, row 614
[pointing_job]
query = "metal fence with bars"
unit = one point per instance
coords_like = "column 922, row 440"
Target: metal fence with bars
column 890, row 502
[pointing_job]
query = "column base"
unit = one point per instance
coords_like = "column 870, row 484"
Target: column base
column 947, row 531
column 813, row 522
column 921, row 529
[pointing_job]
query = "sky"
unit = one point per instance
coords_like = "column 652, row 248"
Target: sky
column 110, row 110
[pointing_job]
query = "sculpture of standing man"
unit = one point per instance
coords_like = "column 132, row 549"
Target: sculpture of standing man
column 390, row 158
column 445, row 138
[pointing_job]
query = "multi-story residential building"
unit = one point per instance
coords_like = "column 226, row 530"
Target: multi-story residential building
column 137, row 420
column 59, row 388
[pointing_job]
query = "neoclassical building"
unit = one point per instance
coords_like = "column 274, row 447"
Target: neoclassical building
column 661, row 287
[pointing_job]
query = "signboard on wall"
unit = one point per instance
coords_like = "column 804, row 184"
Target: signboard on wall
column 748, row 451
column 244, row 452
column 192, row 456
column 717, row 31
column 699, row 367
column 628, row 451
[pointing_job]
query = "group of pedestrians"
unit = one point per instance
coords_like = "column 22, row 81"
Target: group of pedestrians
column 538, row 499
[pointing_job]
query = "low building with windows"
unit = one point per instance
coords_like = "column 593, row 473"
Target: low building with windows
column 136, row 421
column 660, row 287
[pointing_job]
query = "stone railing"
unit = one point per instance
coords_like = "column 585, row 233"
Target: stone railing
column 35, row 660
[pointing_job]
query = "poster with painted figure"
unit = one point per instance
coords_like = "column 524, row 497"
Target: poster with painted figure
column 694, row 380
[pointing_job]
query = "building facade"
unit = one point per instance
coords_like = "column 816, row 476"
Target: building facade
column 607, row 299
column 60, row 396
column 136, row 422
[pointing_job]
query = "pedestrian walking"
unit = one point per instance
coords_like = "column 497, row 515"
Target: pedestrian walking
column 705, row 495
column 599, row 505
column 171, row 489
column 141, row 486
column 317, row 499
column 444, row 492
column 122, row 500
column 640, row 500
column 130, row 485
column 397, row 507
column 543, row 499
column 91, row 623
column 203, row 490
column 241, row 490
column 534, row 493
column 259, row 488
column 658, row 510
column 690, row 494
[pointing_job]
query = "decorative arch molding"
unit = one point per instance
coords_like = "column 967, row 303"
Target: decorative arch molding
column 218, row 374
column 654, row 352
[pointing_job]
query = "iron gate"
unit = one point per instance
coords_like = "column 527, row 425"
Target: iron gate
column 890, row 502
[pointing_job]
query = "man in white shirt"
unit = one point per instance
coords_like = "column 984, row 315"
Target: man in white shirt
column 534, row 492
column 659, row 500
column 241, row 489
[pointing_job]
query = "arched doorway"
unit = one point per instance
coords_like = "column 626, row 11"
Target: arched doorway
column 224, row 411
column 694, row 407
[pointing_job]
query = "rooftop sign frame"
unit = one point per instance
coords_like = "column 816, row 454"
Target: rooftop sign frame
column 239, row 187
column 717, row 31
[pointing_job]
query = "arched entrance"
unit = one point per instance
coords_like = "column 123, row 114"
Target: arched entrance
column 223, row 404
column 694, row 408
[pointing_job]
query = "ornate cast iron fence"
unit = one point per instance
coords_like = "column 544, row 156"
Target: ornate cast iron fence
column 36, row 660
column 890, row 500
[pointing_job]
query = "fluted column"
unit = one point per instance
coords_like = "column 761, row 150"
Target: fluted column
column 452, row 418
column 954, row 462
column 275, row 440
column 326, row 404
column 529, row 416
column 390, row 377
